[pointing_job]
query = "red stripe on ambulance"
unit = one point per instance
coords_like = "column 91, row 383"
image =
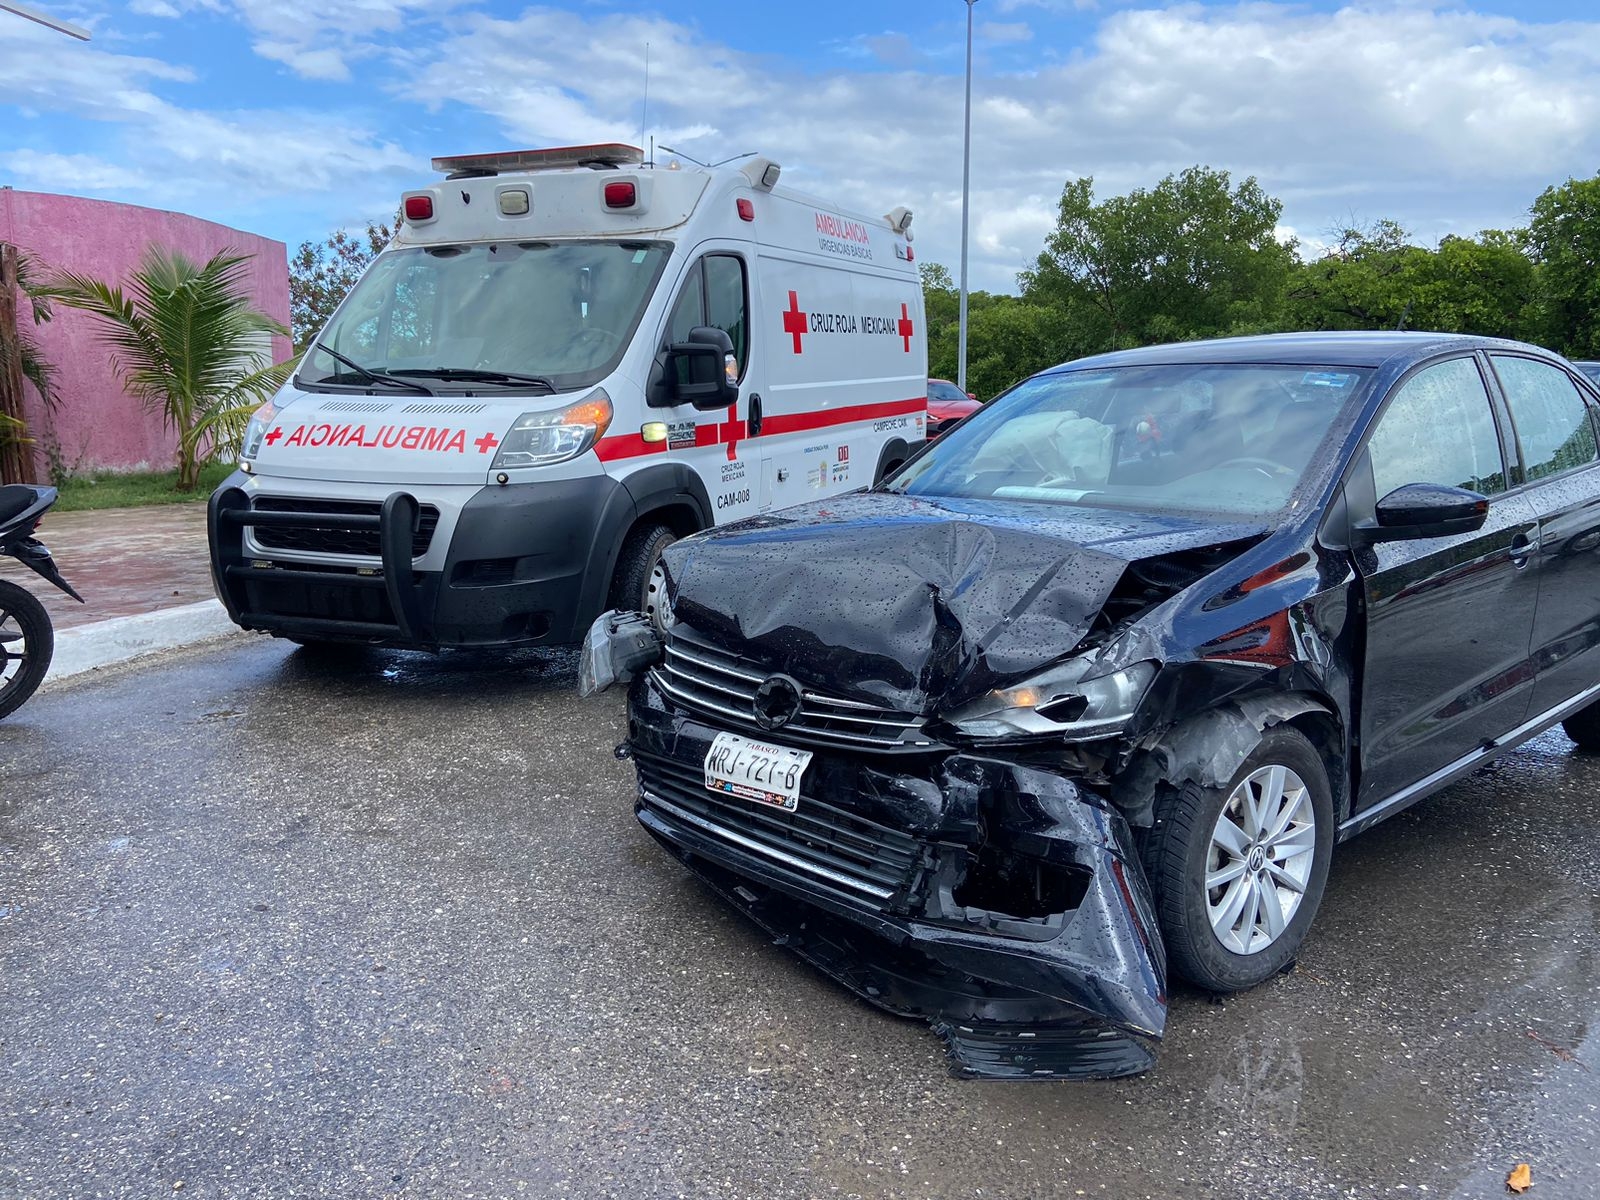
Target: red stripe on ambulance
column 632, row 445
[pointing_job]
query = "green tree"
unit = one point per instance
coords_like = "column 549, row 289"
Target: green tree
column 1564, row 240
column 322, row 273
column 187, row 342
column 1192, row 257
column 1375, row 278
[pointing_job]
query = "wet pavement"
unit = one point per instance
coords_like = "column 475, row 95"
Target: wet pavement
column 384, row 926
column 123, row 562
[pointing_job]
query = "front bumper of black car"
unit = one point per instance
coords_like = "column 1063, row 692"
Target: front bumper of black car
column 1001, row 902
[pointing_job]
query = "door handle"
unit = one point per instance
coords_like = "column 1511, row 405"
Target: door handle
column 1524, row 547
column 754, row 420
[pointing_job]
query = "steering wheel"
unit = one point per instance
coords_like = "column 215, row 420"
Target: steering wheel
column 1265, row 465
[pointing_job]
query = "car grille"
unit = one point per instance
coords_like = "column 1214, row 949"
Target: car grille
column 836, row 847
column 337, row 541
column 721, row 685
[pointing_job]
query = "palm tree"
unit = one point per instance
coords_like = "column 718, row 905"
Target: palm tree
column 186, row 342
column 34, row 367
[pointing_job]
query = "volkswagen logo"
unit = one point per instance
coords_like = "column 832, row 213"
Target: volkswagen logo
column 776, row 702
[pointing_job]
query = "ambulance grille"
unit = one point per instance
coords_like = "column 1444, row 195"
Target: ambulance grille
column 722, row 686
column 440, row 409
column 362, row 542
column 355, row 406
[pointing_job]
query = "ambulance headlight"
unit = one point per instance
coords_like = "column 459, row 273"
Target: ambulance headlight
column 540, row 438
column 260, row 421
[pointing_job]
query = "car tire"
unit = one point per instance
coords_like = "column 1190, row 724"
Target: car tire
column 636, row 585
column 21, row 612
column 1583, row 727
column 1212, row 938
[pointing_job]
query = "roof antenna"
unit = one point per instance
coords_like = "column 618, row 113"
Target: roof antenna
column 644, row 115
column 690, row 157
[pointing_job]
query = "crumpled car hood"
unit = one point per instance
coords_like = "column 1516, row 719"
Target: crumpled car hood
column 916, row 604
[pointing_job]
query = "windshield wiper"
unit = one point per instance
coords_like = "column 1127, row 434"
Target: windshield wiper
column 376, row 376
column 479, row 375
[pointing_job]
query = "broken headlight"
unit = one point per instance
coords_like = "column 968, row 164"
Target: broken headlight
column 1065, row 701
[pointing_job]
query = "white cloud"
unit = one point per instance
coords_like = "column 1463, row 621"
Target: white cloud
column 74, row 173
column 316, row 39
column 1444, row 119
column 170, row 154
column 1005, row 31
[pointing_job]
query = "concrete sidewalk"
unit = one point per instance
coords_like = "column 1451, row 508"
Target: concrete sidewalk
column 145, row 575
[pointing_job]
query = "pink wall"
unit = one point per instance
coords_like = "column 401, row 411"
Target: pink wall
column 96, row 424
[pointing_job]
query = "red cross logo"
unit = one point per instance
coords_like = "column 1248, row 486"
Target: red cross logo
column 731, row 431
column 272, row 438
column 486, row 443
column 794, row 321
column 905, row 326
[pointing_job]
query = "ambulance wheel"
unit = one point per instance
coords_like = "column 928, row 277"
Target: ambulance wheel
column 637, row 585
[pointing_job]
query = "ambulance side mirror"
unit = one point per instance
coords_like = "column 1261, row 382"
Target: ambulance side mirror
column 702, row 371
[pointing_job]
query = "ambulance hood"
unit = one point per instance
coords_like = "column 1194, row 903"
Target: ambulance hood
column 401, row 438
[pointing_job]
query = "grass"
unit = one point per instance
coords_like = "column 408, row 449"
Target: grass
column 109, row 489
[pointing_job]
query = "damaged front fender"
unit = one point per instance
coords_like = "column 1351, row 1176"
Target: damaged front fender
column 1002, row 903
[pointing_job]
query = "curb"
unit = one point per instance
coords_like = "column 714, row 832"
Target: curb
column 110, row 643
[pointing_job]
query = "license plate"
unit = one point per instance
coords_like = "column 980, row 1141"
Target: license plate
column 759, row 771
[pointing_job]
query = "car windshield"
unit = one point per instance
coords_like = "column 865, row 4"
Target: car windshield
column 938, row 389
column 559, row 311
column 1221, row 438
column 1591, row 369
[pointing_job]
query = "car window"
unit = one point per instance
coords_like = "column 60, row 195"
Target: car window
column 1552, row 421
column 945, row 391
column 725, row 308
column 690, row 310
column 1184, row 437
column 1438, row 429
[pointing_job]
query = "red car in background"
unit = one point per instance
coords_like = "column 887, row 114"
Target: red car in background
column 947, row 404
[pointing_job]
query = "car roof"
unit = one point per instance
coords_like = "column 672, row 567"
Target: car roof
column 1343, row 348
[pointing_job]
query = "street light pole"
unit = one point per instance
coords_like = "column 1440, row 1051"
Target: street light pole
column 33, row 14
column 966, row 203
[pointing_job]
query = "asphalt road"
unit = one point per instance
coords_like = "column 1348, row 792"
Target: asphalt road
column 275, row 928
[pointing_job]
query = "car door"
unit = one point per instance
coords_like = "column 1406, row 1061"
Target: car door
column 724, row 448
column 1554, row 427
column 1449, row 620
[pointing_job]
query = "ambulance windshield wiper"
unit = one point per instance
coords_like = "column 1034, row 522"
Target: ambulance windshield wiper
column 372, row 376
column 479, row 375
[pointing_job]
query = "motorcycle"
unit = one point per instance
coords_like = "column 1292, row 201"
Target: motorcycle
column 27, row 639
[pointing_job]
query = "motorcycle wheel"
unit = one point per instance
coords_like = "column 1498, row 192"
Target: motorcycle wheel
column 26, row 643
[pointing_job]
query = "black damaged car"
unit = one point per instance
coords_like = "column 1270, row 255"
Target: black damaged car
column 1091, row 688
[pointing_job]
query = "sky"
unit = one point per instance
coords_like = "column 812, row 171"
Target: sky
column 291, row 118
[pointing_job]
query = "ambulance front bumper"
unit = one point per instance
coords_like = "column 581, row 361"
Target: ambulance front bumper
column 503, row 567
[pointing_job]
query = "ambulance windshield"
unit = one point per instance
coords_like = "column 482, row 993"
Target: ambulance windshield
column 514, row 315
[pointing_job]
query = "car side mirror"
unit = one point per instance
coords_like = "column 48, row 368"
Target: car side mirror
column 1424, row 510
column 703, row 371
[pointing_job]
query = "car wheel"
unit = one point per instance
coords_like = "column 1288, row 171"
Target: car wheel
column 1583, row 727
column 27, row 643
column 1238, row 871
column 636, row 586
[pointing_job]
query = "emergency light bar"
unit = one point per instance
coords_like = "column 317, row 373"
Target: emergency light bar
column 608, row 156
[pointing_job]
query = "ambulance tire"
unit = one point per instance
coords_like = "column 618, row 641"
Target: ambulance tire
column 631, row 589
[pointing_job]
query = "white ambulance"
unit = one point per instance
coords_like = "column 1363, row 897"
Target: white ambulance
column 566, row 360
